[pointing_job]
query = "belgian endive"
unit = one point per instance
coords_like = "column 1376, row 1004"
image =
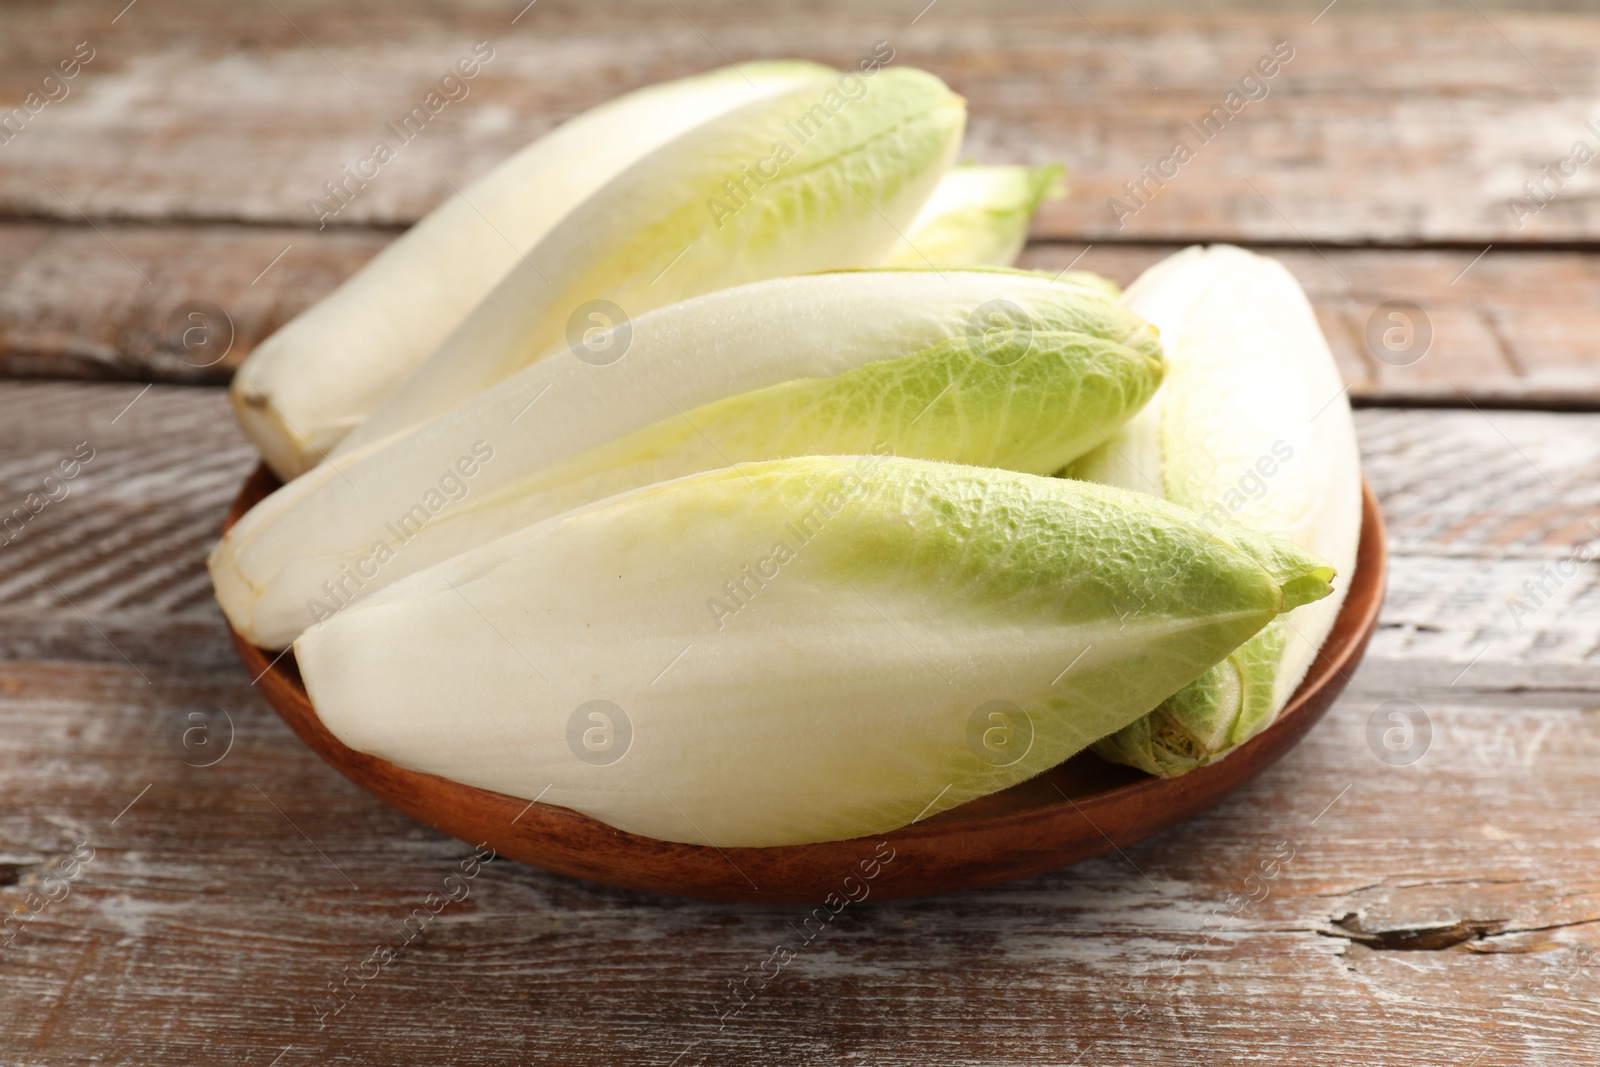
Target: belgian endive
column 1251, row 426
column 313, row 380
column 999, row 368
column 799, row 650
column 821, row 176
column 977, row 216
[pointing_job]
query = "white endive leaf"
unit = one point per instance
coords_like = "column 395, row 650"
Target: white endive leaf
column 1251, row 426
column 1000, row 368
column 977, row 217
column 799, row 650
column 810, row 179
column 305, row 386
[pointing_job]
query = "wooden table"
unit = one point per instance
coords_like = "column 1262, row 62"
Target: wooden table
column 201, row 879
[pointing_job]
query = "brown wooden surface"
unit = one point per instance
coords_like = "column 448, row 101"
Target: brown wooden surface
column 1517, row 328
column 1445, row 911
column 1387, row 125
column 1435, row 911
column 179, row 165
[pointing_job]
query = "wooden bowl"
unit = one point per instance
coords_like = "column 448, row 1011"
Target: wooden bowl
column 1080, row 809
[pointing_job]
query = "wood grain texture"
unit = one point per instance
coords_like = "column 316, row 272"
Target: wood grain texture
column 1478, row 503
column 225, row 899
column 1341, row 909
column 1386, row 126
column 178, row 166
column 1515, row 328
column 1512, row 328
column 1432, row 912
column 121, row 301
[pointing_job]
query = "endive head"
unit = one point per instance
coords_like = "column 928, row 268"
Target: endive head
column 801, row 648
column 817, row 178
column 1250, row 425
column 823, row 176
column 996, row 368
column 978, row 216
column 1024, row 375
column 307, row 385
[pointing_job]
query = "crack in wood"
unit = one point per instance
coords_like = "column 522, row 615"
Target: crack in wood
column 1433, row 937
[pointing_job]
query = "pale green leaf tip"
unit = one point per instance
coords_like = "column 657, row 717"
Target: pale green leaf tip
column 1159, row 743
column 1310, row 586
column 1048, row 182
column 1302, row 576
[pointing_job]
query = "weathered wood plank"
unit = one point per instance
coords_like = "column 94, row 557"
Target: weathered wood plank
column 1489, row 513
column 1509, row 328
column 1444, row 908
column 123, row 542
column 1341, row 909
column 1515, row 328
column 159, row 303
column 1385, row 126
column 1494, row 515
column 1401, row 915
